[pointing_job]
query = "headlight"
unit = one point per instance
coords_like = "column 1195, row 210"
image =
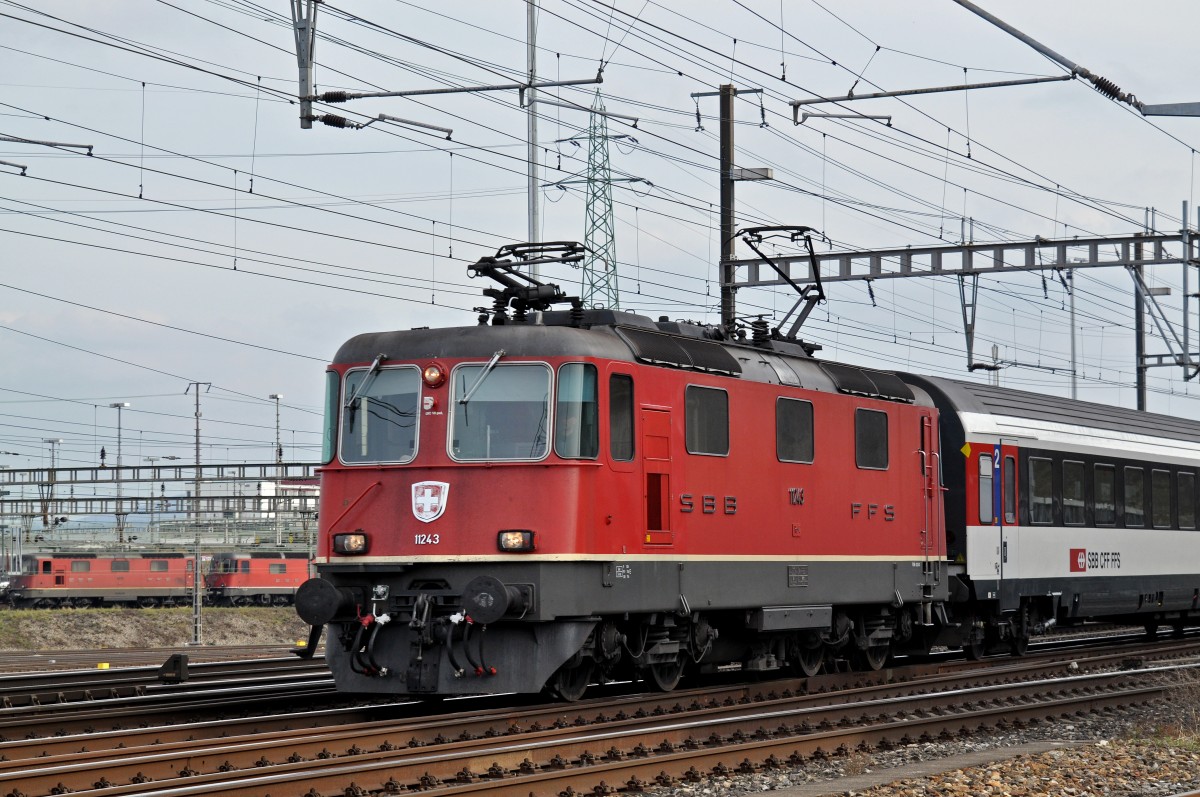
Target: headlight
column 354, row 543
column 516, row 540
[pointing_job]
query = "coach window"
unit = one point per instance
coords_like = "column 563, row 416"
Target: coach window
column 1105, row 491
column 379, row 418
column 120, row 565
column 1072, row 493
column 1010, row 489
column 577, row 413
column 1160, row 498
column 505, row 412
column 158, row 565
column 620, row 417
column 81, row 566
column 1135, row 501
column 987, row 513
column 1187, row 499
column 1041, row 490
column 794, row 430
column 871, row 439
column 706, row 420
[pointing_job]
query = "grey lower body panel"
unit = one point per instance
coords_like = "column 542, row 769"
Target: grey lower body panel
column 1101, row 596
column 568, row 600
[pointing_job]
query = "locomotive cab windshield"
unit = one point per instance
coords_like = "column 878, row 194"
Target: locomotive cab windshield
column 379, row 422
column 507, row 416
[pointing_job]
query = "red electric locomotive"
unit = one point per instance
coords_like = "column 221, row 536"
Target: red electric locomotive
column 564, row 496
column 255, row 579
column 56, row 580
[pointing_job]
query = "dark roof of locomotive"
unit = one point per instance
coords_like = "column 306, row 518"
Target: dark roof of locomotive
column 618, row 335
column 990, row 400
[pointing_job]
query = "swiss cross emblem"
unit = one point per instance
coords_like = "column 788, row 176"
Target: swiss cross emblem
column 429, row 500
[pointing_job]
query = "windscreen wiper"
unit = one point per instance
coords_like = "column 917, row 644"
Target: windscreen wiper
column 352, row 403
column 487, row 369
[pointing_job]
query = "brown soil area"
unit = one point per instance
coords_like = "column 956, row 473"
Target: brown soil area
column 94, row 629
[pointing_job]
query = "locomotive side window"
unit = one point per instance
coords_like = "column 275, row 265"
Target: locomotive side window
column 794, row 430
column 1160, row 498
column 1135, row 502
column 81, row 566
column 379, row 421
column 329, row 434
column 278, row 569
column 871, row 439
column 620, row 417
column 245, row 563
column 1010, row 489
column 1105, row 485
column 120, row 565
column 1072, row 493
column 1041, row 490
column 1187, row 499
column 158, row 565
column 506, row 414
column 706, row 420
column 577, row 412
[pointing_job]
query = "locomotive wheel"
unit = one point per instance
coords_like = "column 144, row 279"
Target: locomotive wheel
column 874, row 657
column 147, row 603
column 811, row 659
column 666, row 675
column 571, row 680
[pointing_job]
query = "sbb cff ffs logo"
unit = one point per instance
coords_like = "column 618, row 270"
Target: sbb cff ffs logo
column 1083, row 560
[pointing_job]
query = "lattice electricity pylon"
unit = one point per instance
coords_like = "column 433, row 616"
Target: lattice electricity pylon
column 600, row 263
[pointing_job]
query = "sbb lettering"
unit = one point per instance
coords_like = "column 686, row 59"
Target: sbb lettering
column 708, row 504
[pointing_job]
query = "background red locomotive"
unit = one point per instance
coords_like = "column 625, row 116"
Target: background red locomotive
column 565, row 496
column 81, row 580
column 257, row 578
column 59, row 580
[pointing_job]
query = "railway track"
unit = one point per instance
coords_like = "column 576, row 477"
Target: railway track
column 41, row 661
column 625, row 741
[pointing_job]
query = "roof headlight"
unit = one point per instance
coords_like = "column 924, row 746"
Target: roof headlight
column 515, row 540
column 434, row 374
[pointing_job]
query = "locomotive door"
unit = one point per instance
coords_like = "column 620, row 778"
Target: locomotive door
column 932, row 543
column 656, row 469
column 1006, row 501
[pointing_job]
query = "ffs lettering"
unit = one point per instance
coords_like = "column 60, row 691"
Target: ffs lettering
column 872, row 511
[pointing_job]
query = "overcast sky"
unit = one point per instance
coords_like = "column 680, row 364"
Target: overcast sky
column 208, row 238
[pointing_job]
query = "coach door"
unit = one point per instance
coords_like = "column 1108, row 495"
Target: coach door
column 1007, row 484
column 656, row 467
